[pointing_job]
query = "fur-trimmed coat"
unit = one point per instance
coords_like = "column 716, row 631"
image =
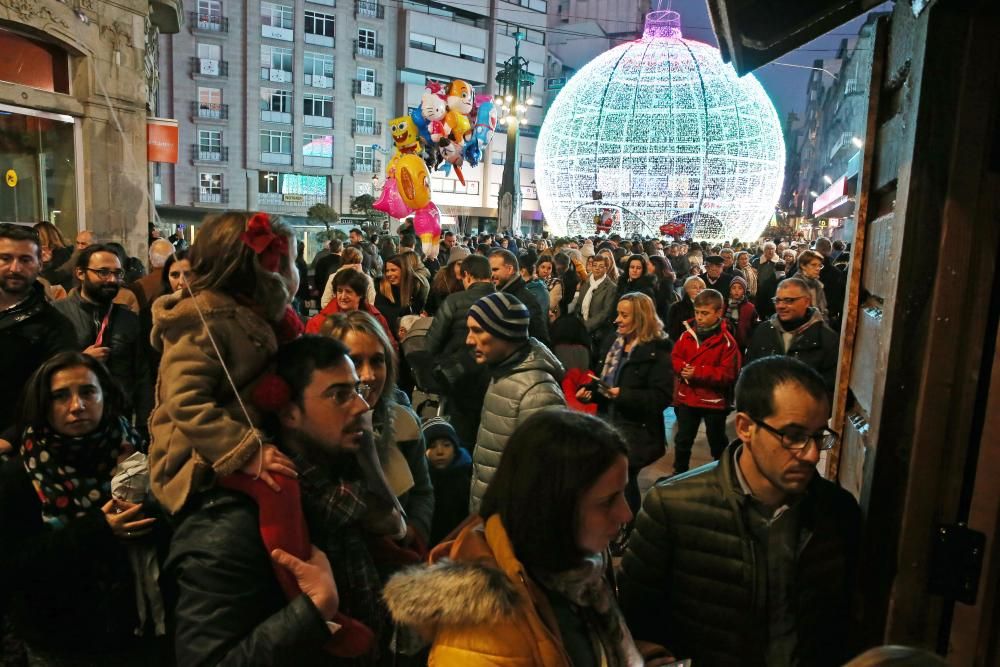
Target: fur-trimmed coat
column 478, row 604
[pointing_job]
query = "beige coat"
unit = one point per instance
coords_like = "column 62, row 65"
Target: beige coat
column 197, row 427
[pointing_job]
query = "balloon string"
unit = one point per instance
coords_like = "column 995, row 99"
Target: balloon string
column 130, row 160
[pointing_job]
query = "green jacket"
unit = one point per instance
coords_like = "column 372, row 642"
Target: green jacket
column 689, row 578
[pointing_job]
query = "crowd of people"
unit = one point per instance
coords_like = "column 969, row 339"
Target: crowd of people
column 381, row 458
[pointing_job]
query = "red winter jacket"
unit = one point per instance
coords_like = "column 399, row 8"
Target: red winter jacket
column 315, row 324
column 716, row 362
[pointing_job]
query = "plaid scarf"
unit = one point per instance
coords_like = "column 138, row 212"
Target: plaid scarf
column 72, row 476
column 616, row 355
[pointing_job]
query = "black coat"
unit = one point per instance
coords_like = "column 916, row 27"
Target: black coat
column 721, row 285
column 68, row 591
column 128, row 361
column 817, row 345
column 646, row 380
column 325, row 267
column 768, row 277
column 29, row 334
column 230, row 609
column 688, row 580
column 538, row 327
column 644, row 285
column 680, row 312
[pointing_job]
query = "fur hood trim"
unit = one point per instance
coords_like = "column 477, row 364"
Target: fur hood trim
column 450, row 593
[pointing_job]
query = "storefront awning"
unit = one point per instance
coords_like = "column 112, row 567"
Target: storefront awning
column 835, row 202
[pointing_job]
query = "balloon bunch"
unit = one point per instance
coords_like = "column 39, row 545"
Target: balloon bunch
column 439, row 134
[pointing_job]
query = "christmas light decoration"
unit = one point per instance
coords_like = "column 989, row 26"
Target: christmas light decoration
column 665, row 131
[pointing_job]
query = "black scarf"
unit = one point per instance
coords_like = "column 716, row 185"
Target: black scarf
column 73, row 475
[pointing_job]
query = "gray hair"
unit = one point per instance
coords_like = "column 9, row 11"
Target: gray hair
column 159, row 251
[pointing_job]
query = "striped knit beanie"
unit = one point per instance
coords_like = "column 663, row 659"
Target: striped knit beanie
column 501, row 315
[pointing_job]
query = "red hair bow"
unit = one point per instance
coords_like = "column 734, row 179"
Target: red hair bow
column 268, row 246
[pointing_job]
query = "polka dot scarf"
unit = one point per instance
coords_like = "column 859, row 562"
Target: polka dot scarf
column 73, row 475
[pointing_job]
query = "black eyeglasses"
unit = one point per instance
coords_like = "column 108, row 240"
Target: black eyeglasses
column 104, row 274
column 787, row 300
column 796, row 441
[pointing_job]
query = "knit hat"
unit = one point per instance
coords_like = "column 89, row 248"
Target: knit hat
column 741, row 280
column 457, row 254
column 502, row 315
column 437, row 427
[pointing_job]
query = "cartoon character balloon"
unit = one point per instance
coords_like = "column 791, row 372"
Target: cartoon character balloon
column 405, row 134
column 451, row 154
column 427, row 227
column 434, row 108
column 391, row 201
column 413, row 180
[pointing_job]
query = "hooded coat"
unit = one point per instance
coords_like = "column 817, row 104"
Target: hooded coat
column 716, row 362
column 479, row 604
column 527, row 381
column 197, row 428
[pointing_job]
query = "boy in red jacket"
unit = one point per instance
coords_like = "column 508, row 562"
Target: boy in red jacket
column 706, row 363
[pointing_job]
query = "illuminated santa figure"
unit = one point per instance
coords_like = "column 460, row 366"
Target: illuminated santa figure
column 666, row 133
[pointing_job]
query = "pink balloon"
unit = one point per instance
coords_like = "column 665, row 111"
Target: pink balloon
column 390, row 201
column 427, row 226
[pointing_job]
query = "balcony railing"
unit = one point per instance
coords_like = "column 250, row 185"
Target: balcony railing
column 364, row 127
column 201, row 153
column 364, row 166
column 207, row 22
column 369, row 9
column 206, row 196
column 209, row 67
column 279, row 199
column 367, row 51
column 366, row 88
column 275, row 158
column 209, row 110
column 317, row 160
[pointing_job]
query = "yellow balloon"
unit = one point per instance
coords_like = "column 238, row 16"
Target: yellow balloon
column 459, row 126
column 413, row 181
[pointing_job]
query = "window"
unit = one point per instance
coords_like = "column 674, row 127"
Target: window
column 448, row 47
column 318, row 70
column 456, row 15
column 368, row 8
column 367, row 41
column 530, row 35
column 406, row 76
column 537, row 5
column 421, row 41
column 209, row 51
column 209, row 102
column 275, row 63
column 209, row 59
column 210, row 15
column 317, row 150
column 268, row 181
column 209, row 145
column 277, row 16
column 366, row 74
column 320, row 28
column 364, row 158
column 276, row 146
column 276, row 105
column 365, row 115
column 210, row 187
column 473, row 53
column 318, row 110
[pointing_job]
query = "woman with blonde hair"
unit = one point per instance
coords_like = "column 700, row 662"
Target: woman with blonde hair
column 613, row 271
column 216, row 337
column 398, row 293
column 636, row 385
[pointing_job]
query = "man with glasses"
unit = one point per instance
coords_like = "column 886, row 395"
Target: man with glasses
column 109, row 331
column 797, row 330
column 229, row 546
column 750, row 560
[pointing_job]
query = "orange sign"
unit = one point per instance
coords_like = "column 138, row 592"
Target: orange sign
column 161, row 140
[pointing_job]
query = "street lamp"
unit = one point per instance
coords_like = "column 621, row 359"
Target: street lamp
column 858, row 142
column 514, row 83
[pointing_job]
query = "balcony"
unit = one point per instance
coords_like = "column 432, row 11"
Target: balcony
column 209, row 67
column 276, row 158
column 201, row 153
column 209, row 111
column 298, row 201
column 317, row 160
column 366, row 88
column 207, row 23
column 365, row 127
column 276, row 75
column 317, row 121
column 376, row 51
column 319, row 40
column 281, row 117
column 359, row 166
column 277, row 32
column 328, row 3
column 368, row 9
column 318, row 81
column 209, row 196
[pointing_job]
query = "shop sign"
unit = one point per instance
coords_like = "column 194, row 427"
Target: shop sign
column 830, row 196
column 297, row 199
column 11, row 178
column 161, row 140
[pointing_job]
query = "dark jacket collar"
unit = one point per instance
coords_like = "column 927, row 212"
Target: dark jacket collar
column 28, row 308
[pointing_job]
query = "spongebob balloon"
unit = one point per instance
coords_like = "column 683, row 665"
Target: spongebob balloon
column 405, row 134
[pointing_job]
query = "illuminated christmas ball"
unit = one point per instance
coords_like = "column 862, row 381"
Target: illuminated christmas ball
column 667, row 133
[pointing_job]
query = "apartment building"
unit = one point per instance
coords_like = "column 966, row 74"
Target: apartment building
column 281, row 104
column 439, row 41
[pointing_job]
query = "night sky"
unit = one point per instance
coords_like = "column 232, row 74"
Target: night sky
column 786, row 85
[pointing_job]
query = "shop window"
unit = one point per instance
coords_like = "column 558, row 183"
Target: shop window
column 33, row 64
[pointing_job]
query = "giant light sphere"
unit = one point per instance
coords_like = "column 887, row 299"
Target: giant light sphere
column 667, row 133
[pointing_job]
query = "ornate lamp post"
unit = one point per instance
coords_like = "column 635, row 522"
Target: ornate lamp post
column 514, row 83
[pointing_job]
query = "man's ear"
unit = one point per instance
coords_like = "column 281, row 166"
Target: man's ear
column 291, row 415
column 744, row 425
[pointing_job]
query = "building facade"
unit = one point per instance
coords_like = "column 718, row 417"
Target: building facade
column 76, row 84
column 281, row 104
